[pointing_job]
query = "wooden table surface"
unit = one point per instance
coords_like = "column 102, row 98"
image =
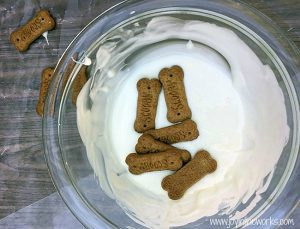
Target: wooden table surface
column 28, row 198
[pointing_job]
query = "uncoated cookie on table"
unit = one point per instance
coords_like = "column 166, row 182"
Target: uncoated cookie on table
column 46, row 78
column 175, row 96
column 185, row 131
column 177, row 183
column 26, row 34
column 148, row 93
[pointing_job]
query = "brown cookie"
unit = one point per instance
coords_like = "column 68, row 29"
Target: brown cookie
column 79, row 82
column 175, row 96
column 148, row 93
column 147, row 144
column 167, row 160
column 177, row 183
column 26, row 34
column 46, row 78
column 185, row 155
column 67, row 73
column 185, row 131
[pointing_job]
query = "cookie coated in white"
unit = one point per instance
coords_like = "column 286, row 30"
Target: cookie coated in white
column 235, row 100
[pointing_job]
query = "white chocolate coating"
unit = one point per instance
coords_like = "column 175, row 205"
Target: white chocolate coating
column 235, row 101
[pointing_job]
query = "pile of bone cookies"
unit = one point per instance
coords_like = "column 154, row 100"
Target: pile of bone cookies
column 154, row 151
column 24, row 36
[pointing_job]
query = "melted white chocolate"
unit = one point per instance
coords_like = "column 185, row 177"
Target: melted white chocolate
column 235, row 101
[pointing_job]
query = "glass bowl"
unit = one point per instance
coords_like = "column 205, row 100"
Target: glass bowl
column 66, row 155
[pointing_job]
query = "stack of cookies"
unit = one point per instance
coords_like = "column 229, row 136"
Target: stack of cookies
column 154, row 150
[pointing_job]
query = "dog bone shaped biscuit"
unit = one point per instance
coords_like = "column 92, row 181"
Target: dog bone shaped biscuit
column 148, row 93
column 26, row 34
column 185, row 131
column 168, row 160
column 177, row 183
column 46, row 78
column 147, row 144
column 175, row 96
column 79, row 82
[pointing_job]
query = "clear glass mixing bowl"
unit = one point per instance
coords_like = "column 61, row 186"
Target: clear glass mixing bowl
column 65, row 152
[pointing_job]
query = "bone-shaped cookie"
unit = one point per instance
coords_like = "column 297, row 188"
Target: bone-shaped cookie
column 177, row 183
column 46, row 78
column 168, row 160
column 68, row 70
column 185, row 131
column 26, row 34
column 147, row 144
column 148, row 93
column 79, row 82
column 175, row 96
